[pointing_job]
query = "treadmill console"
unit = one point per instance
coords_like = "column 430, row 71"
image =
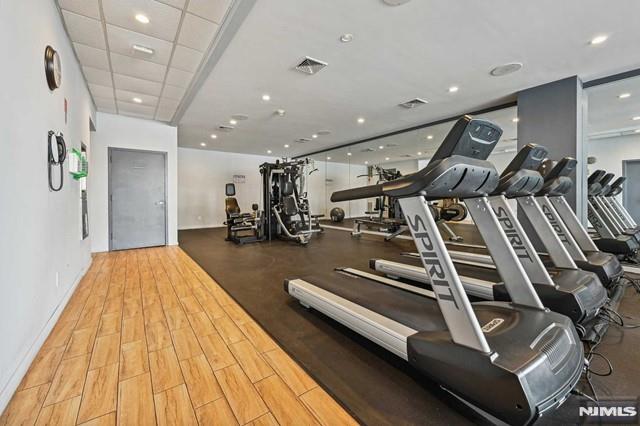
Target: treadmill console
column 616, row 186
column 469, row 137
column 551, row 169
column 606, row 179
column 596, row 176
column 528, row 158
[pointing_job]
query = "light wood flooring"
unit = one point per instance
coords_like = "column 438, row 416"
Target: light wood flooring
column 149, row 338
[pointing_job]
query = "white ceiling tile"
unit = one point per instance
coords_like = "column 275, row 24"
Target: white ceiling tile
column 186, row 59
column 213, row 10
column 97, row 76
column 105, row 104
column 165, row 114
column 137, row 68
column 163, row 19
column 92, row 57
column 122, row 41
column 176, row 77
column 101, row 91
column 168, row 103
column 127, row 96
column 125, row 82
column 196, row 32
column 172, row 92
column 139, row 110
column 83, row 7
column 84, row 30
column 175, row 3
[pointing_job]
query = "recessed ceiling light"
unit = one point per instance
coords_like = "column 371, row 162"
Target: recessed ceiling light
column 142, row 49
column 137, row 100
column 636, row 131
column 430, row 137
column 386, row 158
column 142, row 18
column 328, row 158
column 214, row 136
column 346, row 38
column 636, row 118
column 268, row 151
column 286, row 145
column 453, row 89
column 203, row 144
column 381, row 147
column 360, row 120
column 233, row 122
column 515, row 119
column 624, row 95
column 419, row 152
column 599, row 39
column 349, row 154
column 315, row 135
column 366, row 162
column 266, row 97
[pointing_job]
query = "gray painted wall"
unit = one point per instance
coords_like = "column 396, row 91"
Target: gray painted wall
column 553, row 115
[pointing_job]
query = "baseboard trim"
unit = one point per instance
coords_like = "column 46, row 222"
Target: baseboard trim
column 12, row 384
column 187, row 228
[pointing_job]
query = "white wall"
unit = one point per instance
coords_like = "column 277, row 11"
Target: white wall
column 611, row 152
column 40, row 231
column 125, row 132
column 202, row 175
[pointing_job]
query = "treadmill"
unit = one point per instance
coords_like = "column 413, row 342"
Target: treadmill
column 613, row 217
column 610, row 238
column 530, row 356
column 567, row 290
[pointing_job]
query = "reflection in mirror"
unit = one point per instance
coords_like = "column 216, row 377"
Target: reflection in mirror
column 613, row 142
column 386, row 158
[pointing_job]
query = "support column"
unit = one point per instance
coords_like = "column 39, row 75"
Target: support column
column 553, row 115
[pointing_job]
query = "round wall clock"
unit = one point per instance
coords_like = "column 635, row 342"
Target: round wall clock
column 52, row 68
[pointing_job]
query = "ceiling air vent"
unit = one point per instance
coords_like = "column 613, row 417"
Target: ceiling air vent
column 391, row 145
column 413, row 103
column 224, row 128
column 368, row 150
column 302, row 140
column 310, row 65
column 406, row 156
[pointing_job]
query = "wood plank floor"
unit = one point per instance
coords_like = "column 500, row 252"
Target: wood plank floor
column 149, row 338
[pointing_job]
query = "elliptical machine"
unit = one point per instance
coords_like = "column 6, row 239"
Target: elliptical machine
column 285, row 201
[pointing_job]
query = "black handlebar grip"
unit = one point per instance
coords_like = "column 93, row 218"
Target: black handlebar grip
column 357, row 193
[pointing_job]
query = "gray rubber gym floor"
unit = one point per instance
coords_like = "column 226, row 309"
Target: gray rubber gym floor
column 375, row 386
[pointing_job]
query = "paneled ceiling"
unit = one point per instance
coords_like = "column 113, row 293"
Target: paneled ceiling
column 418, row 49
column 131, row 82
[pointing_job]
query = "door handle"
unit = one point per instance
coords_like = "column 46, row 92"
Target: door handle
column 160, row 203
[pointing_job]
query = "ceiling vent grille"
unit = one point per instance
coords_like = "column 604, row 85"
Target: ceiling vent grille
column 368, row 150
column 302, row 140
column 310, row 65
column 392, row 145
column 224, row 128
column 406, row 156
column 413, row 103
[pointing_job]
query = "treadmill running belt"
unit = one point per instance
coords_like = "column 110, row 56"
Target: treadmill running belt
column 477, row 272
column 418, row 313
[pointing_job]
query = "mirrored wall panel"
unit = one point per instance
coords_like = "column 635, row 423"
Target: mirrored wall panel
column 387, row 158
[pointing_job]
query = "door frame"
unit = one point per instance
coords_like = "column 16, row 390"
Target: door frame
column 625, row 193
column 109, row 194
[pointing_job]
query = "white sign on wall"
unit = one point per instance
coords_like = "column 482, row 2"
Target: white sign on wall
column 239, row 178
